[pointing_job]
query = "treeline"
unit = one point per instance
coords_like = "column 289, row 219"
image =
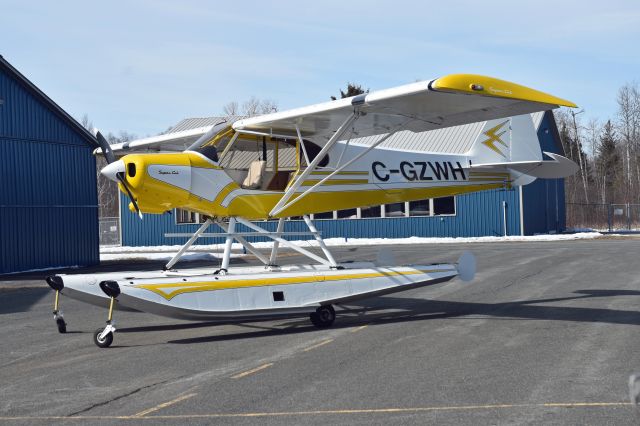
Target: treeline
column 607, row 150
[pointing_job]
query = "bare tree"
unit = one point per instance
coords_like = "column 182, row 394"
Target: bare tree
column 252, row 107
column 232, row 108
column 107, row 189
column 582, row 159
column 267, row 106
column 628, row 123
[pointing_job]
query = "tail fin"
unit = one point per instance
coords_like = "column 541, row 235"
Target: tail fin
column 511, row 145
column 506, row 140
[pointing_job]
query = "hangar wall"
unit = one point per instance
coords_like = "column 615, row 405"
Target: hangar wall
column 543, row 200
column 48, row 202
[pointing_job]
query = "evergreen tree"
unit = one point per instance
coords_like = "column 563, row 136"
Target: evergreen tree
column 609, row 162
column 352, row 90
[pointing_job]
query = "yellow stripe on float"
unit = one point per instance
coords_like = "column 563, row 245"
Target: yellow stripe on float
column 191, row 287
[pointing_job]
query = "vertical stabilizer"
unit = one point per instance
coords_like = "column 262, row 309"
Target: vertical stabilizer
column 506, row 140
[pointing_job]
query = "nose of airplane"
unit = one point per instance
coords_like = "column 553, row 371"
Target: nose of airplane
column 111, row 170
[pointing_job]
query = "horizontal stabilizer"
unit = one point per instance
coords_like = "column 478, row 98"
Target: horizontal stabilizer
column 557, row 167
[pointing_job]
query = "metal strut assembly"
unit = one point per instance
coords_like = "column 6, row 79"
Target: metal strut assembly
column 230, row 235
column 188, row 244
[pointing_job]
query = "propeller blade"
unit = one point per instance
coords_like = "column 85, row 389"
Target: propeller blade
column 106, row 148
column 122, row 180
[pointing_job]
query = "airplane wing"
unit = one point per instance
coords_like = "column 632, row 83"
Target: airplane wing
column 447, row 101
column 173, row 142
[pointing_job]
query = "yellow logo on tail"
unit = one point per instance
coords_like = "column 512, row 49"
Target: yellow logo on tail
column 495, row 138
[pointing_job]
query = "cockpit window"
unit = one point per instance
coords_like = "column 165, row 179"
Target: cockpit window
column 209, row 151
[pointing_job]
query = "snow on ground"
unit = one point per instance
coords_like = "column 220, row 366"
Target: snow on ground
column 212, row 251
column 163, row 256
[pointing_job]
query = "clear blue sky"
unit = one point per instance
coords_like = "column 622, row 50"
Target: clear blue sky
column 141, row 66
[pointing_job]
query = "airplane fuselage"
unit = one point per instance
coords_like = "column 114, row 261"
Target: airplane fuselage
column 189, row 180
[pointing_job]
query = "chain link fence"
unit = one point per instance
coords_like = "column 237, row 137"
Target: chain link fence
column 611, row 217
column 109, row 231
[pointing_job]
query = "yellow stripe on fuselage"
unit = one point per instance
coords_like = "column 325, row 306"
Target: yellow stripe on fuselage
column 343, row 173
column 191, row 287
column 312, row 182
column 225, row 191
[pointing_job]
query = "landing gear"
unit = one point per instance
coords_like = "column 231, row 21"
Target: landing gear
column 323, row 317
column 62, row 326
column 56, row 283
column 103, row 337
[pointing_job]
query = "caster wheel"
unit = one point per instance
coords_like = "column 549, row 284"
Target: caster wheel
column 105, row 342
column 62, row 326
column 323, row 317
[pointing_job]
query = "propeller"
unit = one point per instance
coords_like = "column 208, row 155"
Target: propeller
column 122, row 180
column 111, row 158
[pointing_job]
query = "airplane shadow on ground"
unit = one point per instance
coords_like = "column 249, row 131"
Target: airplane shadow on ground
column 21, row 300
column 376, row 311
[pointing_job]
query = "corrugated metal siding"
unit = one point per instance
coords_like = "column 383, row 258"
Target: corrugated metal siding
column 455, row 140
column 48, row 202
column 478, row 215
column 544, row 203
column 23, row 117
column 198, row 122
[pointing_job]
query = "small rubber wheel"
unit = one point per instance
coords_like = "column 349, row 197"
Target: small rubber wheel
column 62, row 326
column 102, row 343
column 323, row 317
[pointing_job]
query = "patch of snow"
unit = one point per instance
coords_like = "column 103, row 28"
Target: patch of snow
column 161, row 256
column 581, row 230
column 215, row 250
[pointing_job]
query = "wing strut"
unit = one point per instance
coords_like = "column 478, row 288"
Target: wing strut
column 301, row 178
column 277, row 210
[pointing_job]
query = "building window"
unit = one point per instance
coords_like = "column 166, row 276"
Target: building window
column 375, row 211
column 444, row 206
column 325, row 215
column 185, row 216
column 348, row 214
column 419, row 208
column 394, row 210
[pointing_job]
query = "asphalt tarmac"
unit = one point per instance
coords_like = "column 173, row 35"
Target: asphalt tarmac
column 546, row 334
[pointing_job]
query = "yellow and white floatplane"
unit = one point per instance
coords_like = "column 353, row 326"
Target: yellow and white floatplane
column 319, row 158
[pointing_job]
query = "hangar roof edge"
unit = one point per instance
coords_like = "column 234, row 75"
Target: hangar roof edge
column 86, row 135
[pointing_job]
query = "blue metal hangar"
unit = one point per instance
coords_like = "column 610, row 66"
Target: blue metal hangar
column 48, row 200
column 533, row 209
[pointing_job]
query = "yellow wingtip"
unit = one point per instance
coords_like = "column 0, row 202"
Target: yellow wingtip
column 489, row 86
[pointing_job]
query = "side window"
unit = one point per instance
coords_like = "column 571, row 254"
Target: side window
column 444, row 206
column 375, row 211
column 348, row 214
column 419, row 208
column 325, row 215
column 185, row 216
column 394, row 210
